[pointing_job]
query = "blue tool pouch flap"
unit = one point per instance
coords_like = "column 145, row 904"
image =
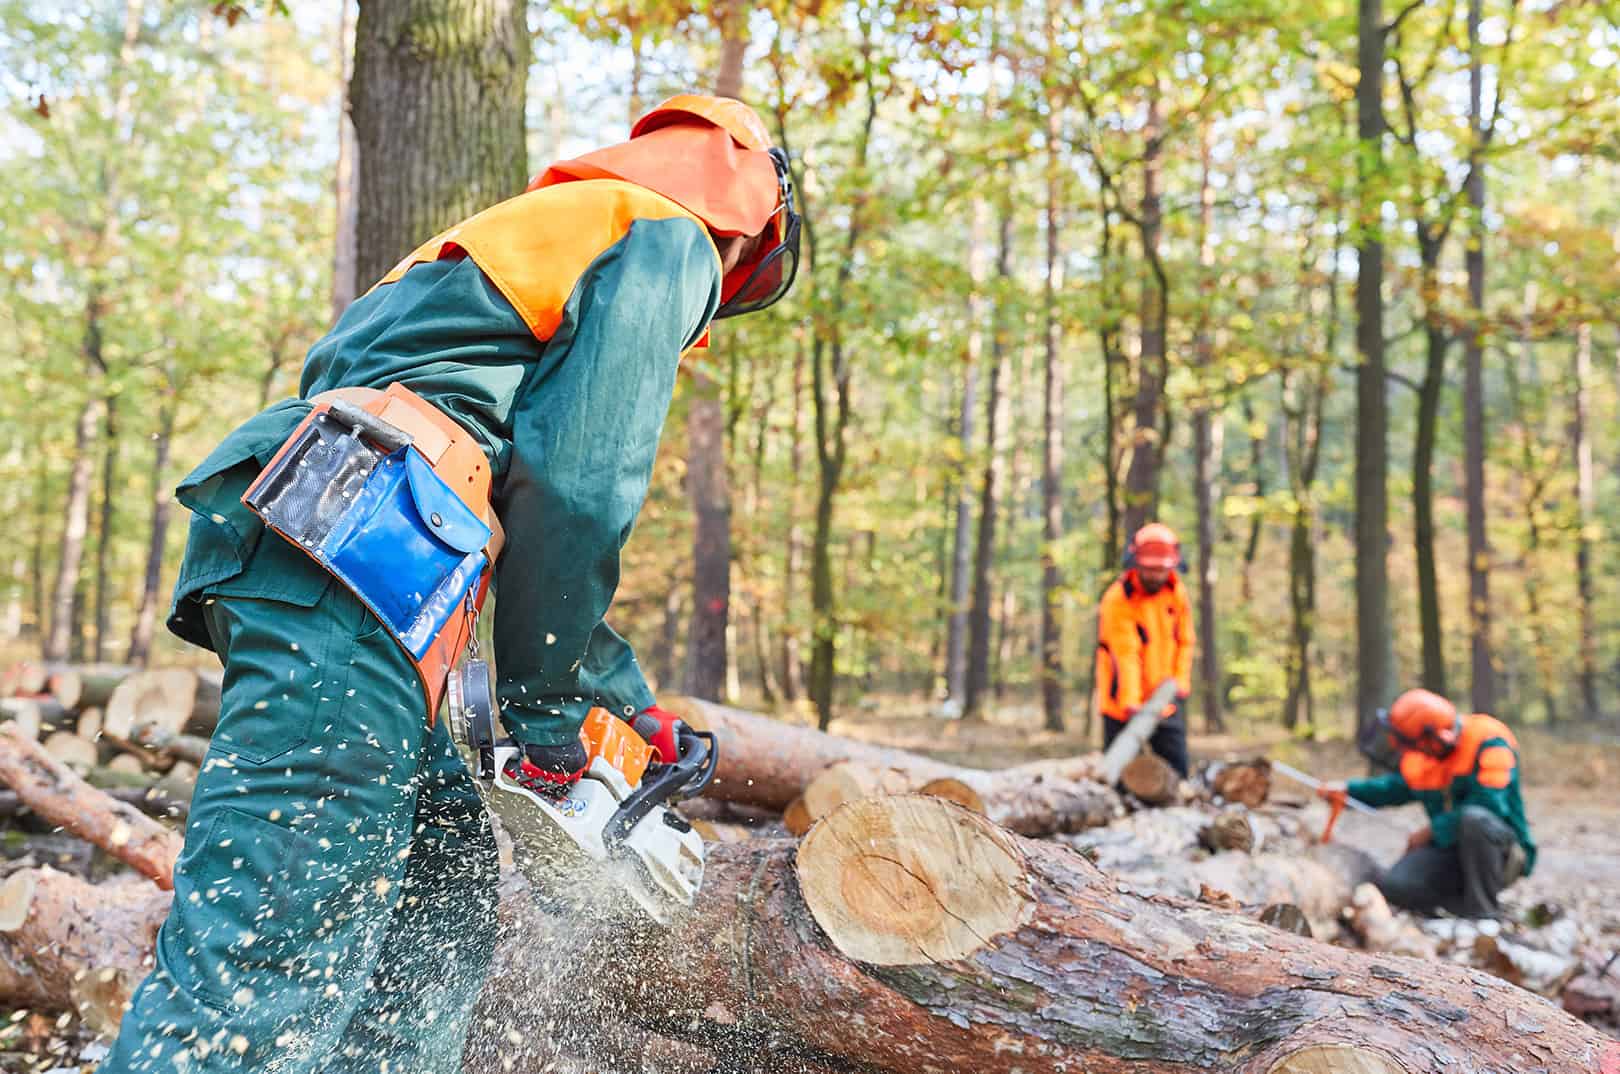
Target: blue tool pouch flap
column 409, row 548
column 452, row 521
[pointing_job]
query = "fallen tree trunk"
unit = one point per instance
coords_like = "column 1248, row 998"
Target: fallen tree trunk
column 75, row 945
column 768, row 763
column 63, row 798
column 953, row 946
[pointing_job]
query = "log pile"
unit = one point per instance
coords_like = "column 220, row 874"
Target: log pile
column 105, row 721
column 1032, row 917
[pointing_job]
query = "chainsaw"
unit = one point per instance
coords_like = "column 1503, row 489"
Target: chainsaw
column 616, row 825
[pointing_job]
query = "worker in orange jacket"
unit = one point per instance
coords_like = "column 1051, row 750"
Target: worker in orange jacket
column 1145, row 636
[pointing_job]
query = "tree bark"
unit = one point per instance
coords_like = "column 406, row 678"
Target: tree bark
column 345, row 179
column 1430, row 243
column 1208, row 440
column 75, row 526
column 1051, row 666
column 979, row 619
column 61, row 797
column 1482, row 685
column 1147, row 450
column 140, row 638
column 1375, row 675
column 707, row 476
column 1585, row 512
column 104, row 527
column 438, row 94
column 793, row 565
column 961, row 945
column 956, row 643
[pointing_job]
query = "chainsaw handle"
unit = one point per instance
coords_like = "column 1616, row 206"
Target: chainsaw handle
column 687, row 777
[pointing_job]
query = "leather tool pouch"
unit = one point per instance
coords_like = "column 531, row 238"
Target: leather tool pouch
column 350, row 491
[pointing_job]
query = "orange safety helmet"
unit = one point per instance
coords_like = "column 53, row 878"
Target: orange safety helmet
column 714, row 158
column 1424, row 721
column 1155, row 545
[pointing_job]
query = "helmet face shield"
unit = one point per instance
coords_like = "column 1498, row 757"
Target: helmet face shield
column 773, row 275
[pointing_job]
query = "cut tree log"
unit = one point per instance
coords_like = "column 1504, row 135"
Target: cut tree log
column 160, row 748
column 63, row 798
column 1136, row 732
column 1230, row 830
column 27, row 678
column 765, row 762
column 954, row 790
column 176, row 700
column 43, row 715
column 84, row 946
column 1246, row 783
column 1151, row 779
column 796, row 818
column 958, row 946
column 68, row 748
column 86, row 685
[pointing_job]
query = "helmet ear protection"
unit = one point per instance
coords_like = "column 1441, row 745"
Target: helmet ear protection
column 772, row 274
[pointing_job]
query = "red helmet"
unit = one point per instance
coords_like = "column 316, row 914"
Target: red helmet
column 1423, row 721
column 1155, row 545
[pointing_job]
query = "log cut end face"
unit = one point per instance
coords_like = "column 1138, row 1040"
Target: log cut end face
column 1336, row 1059
column 912, row 880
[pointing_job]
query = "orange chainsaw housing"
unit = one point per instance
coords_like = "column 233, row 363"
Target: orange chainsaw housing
column 605, row 735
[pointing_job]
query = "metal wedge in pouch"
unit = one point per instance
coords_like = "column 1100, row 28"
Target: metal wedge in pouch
column 615, row 831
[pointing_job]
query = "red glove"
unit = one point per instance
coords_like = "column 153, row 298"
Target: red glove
column 659, row 729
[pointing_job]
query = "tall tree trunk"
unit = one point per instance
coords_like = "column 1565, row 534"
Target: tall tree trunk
column 1374, row 643
column 1258, row 432
column 831, row 414
column 1108, row 329
column 38, row 587
column 345, row 285
column 437, row 92
column 140, row 639
column 1208, row 437
column 956, row 643
column 1585, row 512
column 1535, row 477
column 104, row 528
column 792, row 655
column 76, row 514
column 979, row 620
column 1428, row 419
column 1052, row 427
column 1482, row 688
column 1147, row 450
column 707, row 480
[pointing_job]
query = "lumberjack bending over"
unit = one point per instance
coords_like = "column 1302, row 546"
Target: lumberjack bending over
column 1465, row 771
column 334, row 904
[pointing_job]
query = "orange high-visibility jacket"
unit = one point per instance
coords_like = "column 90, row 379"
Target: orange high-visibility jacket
column 1142, row 640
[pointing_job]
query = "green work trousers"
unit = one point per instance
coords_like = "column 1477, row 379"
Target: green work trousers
column 334, row 905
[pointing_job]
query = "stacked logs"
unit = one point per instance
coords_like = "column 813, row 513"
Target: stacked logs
column 909, row 931
column 111, row 722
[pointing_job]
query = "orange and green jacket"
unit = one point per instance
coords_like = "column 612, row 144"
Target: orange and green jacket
column 1482, row 771
column 1142, row 640
column 551, row 327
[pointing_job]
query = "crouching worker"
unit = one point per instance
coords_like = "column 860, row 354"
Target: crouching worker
column 334, row 904
column 1465, row 771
